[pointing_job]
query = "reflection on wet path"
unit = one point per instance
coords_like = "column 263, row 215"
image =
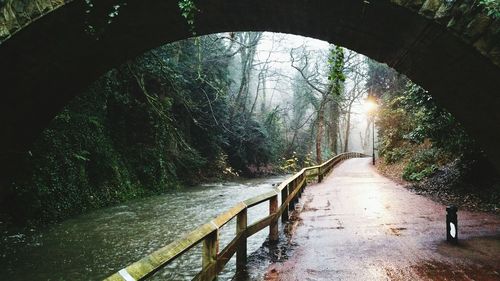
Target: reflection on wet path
column 358, row 225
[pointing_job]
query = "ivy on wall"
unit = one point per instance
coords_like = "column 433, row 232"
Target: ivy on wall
column 188, row 11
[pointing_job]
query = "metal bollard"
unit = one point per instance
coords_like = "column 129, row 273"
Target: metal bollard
column 451, row 224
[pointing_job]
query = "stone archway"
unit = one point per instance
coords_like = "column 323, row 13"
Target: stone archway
column 47, row 55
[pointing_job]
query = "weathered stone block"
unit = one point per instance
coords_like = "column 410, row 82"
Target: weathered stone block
column 57, row 3
column 33, row 9
column 477, row 26
column 4, row 32
column 494, row 31
column 20, row 9
column 11, row 22
column 399, row 2
column 45, row 6
column 414, row 4
column 461, row 17
column 430, row 7
column 444, row 11
column 482, row 45
column 494, row 54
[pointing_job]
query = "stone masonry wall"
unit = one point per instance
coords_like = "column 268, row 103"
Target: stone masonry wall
column 464, row 18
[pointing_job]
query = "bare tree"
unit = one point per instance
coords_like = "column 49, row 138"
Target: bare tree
column 349, row 98
column 325, row 99
column 246, row 49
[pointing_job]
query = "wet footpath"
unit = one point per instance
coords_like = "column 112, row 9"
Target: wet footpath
column 359, row 225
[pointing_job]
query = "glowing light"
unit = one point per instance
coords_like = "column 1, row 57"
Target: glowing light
column 370, row 106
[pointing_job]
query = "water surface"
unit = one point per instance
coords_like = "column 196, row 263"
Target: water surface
column 95, row 245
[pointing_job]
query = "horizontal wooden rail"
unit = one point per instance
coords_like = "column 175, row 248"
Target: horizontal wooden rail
column 213, row 260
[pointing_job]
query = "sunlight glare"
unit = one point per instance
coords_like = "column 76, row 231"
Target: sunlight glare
column 370, row 106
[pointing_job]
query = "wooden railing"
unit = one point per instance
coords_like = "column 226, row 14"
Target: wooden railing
column 213, row 261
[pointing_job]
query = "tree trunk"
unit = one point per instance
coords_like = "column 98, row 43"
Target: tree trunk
column 319, row 134
column 339, row 138
column 247, row 55
column 368, row 134
column 347, row 128
column 334, row 128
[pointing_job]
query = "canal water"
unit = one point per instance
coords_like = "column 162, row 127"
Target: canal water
column 95, row 245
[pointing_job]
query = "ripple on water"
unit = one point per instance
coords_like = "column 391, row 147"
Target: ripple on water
column 97, row 244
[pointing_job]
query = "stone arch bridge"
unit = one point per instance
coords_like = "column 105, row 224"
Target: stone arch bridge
column 50, row 50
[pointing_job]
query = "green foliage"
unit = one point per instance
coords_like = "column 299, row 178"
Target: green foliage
column 424, row 144
column 152, row 124
column 491, row 7
column 336, row 75
column 393, row 124
column 415, row 130
column 413, row 117
column 274, row 128
column 421, row 165
column 395, row 154
column 188, row 11
column 73, row 166
column 430, row 121
column 291, row 165
column 248, row 143
column 155, row 123
column 97, row 23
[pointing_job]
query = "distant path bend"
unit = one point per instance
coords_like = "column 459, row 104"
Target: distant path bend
column 359, row 225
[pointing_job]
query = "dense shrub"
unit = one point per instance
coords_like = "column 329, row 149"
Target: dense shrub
column 428, row 146
column 421, row 165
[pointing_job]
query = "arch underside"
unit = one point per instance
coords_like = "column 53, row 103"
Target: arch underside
column 47, row 63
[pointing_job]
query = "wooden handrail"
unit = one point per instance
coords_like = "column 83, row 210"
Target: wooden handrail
column 213, row 261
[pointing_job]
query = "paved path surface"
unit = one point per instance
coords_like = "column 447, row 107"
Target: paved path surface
column 359, row 225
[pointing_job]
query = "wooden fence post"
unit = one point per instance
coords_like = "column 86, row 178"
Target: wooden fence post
column 241, row 251
column 273, row 227
column 303, row 187
column 284, row 196
column 320, row 174
column 209, row 256
column 297, row 187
